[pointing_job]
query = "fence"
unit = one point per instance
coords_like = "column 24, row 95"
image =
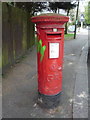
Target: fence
column 17, row 34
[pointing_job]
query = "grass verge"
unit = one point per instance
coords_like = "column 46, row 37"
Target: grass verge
column 69, row 36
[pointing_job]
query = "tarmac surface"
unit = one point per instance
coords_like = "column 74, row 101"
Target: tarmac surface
column 20, row 85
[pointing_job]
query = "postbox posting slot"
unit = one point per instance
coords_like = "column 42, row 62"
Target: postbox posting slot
column 54, row 35
column 51, row 32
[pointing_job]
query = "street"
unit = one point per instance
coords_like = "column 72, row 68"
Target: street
column 20, row 84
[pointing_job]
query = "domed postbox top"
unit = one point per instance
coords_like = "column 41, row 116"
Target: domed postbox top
column 50, row 17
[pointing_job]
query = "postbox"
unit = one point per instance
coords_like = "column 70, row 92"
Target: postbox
column 50, row 51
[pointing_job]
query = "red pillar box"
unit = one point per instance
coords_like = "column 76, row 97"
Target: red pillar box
column 50, row 49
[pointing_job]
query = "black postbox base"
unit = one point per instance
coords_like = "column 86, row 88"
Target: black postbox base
column 49, row 102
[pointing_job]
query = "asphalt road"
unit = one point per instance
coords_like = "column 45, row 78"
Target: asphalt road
column 20, row 84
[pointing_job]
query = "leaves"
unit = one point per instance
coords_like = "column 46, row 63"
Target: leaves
column 54, row 6
column 87, row 11
column 32, row 7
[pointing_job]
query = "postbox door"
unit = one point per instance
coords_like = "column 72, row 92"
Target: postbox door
column 53, row 82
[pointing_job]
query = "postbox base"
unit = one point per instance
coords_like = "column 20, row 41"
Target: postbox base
column 47, row 101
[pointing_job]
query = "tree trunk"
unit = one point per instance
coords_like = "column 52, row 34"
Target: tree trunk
column 76, row 20
column 14, row 4
column 66, row 23
column 58, row 10
column 55, row 11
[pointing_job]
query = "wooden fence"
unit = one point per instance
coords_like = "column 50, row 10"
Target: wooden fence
column 17, row 34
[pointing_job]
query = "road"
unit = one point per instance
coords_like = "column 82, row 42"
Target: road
column 20, row 84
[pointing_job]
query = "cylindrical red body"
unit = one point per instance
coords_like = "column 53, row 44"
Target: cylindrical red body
column 50, row 50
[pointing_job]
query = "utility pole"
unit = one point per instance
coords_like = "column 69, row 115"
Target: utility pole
column 76, row 20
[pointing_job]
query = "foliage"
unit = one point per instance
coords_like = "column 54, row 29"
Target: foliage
column 34, row 7
column 72, row 15
column 54, row 6
column 31, row 7
column 87, row 11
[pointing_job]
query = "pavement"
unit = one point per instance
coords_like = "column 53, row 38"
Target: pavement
column 20, row 84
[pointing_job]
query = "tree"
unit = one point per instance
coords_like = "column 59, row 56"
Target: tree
column 76, row 20
column 54, row 6
column 87, row 11
column 72, row 15
column 31, row 7
column 34, row 7
column 67, row 6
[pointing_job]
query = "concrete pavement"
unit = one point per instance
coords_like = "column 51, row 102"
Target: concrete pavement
column 80, row 99
column 80, row 103
column 20, row 85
